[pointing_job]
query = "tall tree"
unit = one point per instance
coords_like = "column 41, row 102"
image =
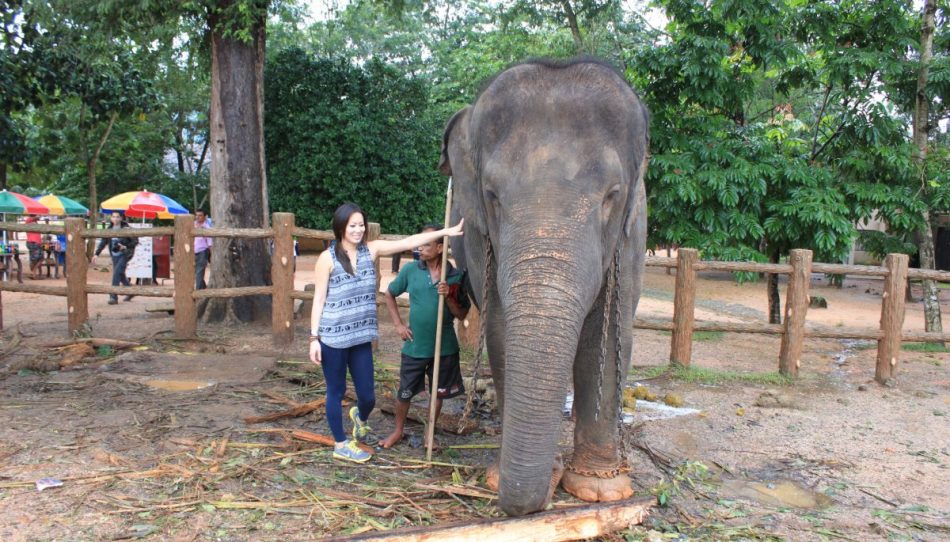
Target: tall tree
column 238, row 175
column 921, row 132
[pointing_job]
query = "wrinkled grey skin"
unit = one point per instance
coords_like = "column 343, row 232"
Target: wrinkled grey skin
column 548, row 164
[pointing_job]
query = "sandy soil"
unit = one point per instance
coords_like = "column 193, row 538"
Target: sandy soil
column 151, row 442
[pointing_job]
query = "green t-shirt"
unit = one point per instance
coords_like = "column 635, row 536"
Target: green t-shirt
column 423, row 309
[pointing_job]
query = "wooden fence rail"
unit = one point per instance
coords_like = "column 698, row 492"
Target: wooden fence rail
column 800, row 267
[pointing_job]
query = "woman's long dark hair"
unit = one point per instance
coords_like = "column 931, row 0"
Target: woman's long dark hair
column 341, row 217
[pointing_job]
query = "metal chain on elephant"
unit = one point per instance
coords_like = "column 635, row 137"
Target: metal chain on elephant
column 489, row 254
column 618, row 311
column 604, row 336
column 621, row 468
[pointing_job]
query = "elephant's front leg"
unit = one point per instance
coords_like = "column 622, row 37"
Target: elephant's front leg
column 597, row 471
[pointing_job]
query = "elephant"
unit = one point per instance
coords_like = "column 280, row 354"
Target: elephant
column 547, row 170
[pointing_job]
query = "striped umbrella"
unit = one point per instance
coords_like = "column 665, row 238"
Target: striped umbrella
column 62, row 206
column 11, row 202
column 143, row 204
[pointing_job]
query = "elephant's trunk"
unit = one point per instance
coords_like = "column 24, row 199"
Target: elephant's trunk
column 543, row 326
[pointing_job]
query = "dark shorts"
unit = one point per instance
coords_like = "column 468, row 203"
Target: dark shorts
column 36, row 251
column 415, row 372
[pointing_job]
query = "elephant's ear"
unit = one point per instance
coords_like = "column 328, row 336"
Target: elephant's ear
column 641, row 157
column 457, row 161
column 456, row 130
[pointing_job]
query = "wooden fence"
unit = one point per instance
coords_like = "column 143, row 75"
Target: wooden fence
column 800, row 267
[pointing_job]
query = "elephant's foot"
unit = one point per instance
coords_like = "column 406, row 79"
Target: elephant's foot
column 595, row 489
column 493, row 475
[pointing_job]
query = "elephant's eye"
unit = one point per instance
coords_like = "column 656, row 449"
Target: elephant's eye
column 491, row 200
column 609, row 200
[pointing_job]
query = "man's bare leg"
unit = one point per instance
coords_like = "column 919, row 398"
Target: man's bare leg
column 402, row 410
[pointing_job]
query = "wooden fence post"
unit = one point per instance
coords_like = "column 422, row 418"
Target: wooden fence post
column 77, row 266
column 684, row 305
column 892, row 317
column 186, row 314
column 796, row 308
column 282, row 277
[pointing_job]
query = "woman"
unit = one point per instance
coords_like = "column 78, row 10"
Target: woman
column 343, row 321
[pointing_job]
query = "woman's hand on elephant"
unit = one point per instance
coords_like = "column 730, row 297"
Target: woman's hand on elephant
column 316, row 353
column 455, row 230
column 404, row 332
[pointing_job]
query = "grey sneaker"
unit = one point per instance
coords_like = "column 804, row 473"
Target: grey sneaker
column 361, row 429
column 351, row 451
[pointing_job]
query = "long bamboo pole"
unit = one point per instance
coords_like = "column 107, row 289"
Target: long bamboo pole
column 434, row 395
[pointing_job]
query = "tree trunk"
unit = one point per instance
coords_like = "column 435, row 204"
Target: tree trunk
column 238, row 182
column 91, row 162
column 572, row 24
column 932, row 321
column 775, row 302
column 3, row 176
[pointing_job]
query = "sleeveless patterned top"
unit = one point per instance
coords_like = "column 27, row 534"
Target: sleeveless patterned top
column 349, row 314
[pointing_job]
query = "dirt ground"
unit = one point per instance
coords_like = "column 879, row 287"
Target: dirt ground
column 150, row 442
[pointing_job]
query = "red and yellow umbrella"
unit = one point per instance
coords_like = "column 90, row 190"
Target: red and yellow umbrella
column 143, row 204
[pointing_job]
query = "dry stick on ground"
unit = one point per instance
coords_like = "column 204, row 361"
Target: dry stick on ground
column 94, row 341
column 576, row 523
column 299, row 410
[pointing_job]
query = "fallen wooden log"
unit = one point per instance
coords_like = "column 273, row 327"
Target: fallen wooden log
column 577, row 523
column 309, row 436
column 94, row 341
column 447, row 421
column 299, row 410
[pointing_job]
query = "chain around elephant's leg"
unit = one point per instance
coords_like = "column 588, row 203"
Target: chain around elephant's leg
column 598, row 471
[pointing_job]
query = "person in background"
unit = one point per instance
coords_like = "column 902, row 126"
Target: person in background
column 121, row 249
column 202, row 249
column 422, row 281
column 343, row 321
column 61, row 251
column 34, row 245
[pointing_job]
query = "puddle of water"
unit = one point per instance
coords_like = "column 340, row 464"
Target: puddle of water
column 778, row 493
column 649, row 411
column 178, row 385
column 646, row 411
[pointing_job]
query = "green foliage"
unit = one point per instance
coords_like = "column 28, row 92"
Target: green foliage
column 711, row 376
column 335, row 132
column 880, row 244
column 925, row 347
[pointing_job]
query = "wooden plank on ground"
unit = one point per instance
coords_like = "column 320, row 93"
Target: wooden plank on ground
column 577, row 523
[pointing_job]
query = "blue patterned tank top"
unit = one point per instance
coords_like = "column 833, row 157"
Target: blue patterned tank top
column 349, row 314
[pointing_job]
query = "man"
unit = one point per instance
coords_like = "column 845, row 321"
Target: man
column 422, row 280
column 34, row 245
column 202, row 249
column 121, row 249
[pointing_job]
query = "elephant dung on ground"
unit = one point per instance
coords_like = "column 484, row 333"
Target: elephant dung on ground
column 547, row 168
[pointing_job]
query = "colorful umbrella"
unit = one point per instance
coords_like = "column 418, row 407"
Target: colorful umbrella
column 143, row 204
column 62, row 206
column 11, row 202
